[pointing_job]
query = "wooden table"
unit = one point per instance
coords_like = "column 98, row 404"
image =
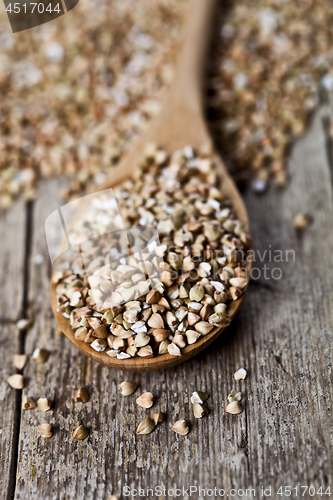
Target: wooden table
column 282, row 336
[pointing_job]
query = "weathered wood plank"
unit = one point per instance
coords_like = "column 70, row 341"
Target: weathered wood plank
column 51, row 379
column 9, row 410
column 283, row 336
column 290, row 320
column 12, row 257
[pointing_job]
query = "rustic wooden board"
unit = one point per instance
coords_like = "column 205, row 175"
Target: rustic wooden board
column 282, row 336
column 12, row 266
column 12, row 261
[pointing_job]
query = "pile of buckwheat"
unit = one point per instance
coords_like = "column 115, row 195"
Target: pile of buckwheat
column 75, row 92
column 196, row 270
column 74, row 95
column 268, row 61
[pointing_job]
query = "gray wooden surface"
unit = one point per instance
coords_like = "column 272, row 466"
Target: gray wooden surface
column 282, row 336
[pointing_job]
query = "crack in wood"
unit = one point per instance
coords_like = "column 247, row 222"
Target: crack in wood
column 8, row 321
column 327, row 127
column 278, row 359
column 244, row 444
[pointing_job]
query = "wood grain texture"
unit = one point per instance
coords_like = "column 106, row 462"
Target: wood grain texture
column 282, row 336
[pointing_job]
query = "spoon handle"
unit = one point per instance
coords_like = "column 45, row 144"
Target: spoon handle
column 181, row 120
column 187, row 87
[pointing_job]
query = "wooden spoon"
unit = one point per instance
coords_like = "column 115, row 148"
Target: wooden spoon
column 180, row 123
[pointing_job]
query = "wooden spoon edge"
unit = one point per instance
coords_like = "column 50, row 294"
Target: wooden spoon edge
column 138, row 364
